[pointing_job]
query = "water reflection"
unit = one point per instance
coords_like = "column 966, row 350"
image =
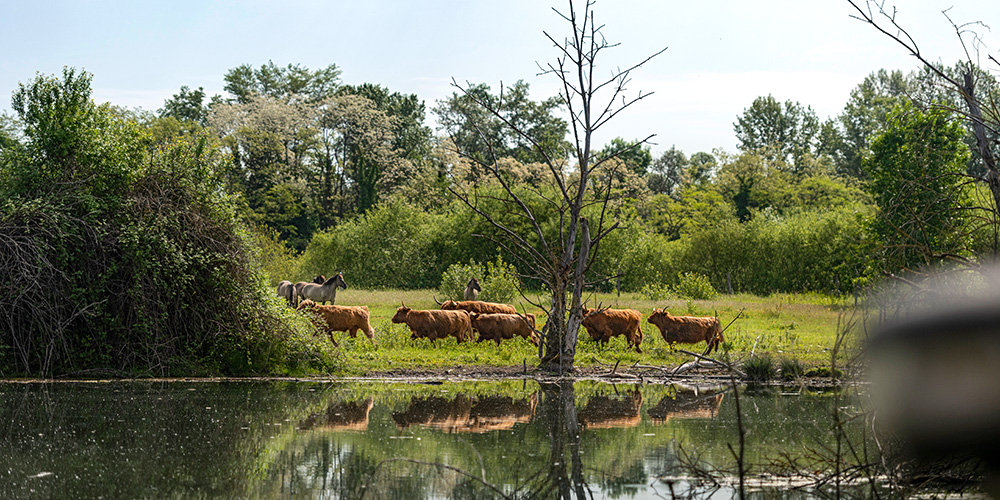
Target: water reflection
column 606, row 411
column 686, row 404
column 340, row 416
column 467, row 414
column 513, row 439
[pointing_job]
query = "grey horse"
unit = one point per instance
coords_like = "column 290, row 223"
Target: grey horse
column 327, row 292
column 472, row 289
column 292, row 293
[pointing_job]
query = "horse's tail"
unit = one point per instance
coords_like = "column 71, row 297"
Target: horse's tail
column 291, row 296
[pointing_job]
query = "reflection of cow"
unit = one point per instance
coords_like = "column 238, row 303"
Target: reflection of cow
column 685, row 405
column 688, row 329
column 434, row 324
column 497, row 327
column 465, row 414
column 603, row 325
column 477, row 306
column 603, row 412
column 342, row 415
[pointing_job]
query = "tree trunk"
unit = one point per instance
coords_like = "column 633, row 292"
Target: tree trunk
column 982, row 142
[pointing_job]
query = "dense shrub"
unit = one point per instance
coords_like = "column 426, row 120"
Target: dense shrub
column 759, row 368
column 806, row 251
column 123, row 258
column 498, row 280
column 387, row 247
column 694, row 286
column 457, row 277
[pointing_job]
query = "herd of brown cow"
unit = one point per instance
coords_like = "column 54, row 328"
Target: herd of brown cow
column 493, row 321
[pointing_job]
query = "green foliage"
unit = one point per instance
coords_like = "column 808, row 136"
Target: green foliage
column 387, row 247
column 187, row 106
column 805, row 251
column 457, row 277
column 759, row 368
column 486, row 138
column 501, row 283
column 791, row 369
column 916, row 170
column 136, row 263
column 786, row 132
column 691, row 210
column 656, row 292
column 278, row 261
column 632, row 154
column 694, row 286
column 498, row 280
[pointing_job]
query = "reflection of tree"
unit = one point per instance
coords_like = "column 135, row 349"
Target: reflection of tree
column 557, row 411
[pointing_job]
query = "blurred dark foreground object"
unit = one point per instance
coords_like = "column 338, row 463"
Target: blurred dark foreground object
column 936, row 379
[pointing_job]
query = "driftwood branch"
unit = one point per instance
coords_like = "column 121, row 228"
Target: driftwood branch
column 696, row 364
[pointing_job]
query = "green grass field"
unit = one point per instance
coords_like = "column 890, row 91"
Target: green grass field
column 784, row 326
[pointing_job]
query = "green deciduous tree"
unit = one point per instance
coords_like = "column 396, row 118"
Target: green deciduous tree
column 916, row 172
column 186, row 105
column 634, row 155
column 783, row 132
column 865, row 116
column 285, row 83
column 668, row 172
column 487, row 137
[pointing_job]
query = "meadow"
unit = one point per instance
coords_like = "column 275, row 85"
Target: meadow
column 786, row 327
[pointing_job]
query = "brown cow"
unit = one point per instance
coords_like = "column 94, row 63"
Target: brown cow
column 477, row 306
column 603, row 325
column 333, row 318
column 434, row 324
column 688, row 329
column 504, row 326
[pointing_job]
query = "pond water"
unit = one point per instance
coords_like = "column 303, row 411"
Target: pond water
column 374, row 440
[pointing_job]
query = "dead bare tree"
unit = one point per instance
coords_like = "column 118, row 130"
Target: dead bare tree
column 976, row 101
column 561, row 259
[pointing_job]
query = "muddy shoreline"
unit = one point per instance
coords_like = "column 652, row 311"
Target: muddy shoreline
column 473, row 374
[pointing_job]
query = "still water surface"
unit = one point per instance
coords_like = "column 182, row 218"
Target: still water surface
column 374, row 440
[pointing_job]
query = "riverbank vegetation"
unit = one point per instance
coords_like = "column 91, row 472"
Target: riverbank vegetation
column 149, row 243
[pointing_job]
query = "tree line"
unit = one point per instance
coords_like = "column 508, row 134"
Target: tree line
column 317, row 161
column 125, row 224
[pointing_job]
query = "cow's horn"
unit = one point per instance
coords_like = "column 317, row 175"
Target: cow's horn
column 438, row 301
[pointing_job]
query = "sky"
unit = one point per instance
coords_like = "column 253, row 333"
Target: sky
column 720, row 54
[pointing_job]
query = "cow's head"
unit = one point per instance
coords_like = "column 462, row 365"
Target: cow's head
column 305, row 304
column 449, row 305
column 658, row 316
column 401, row 312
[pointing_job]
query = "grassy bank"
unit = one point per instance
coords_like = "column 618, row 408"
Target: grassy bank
column 796, row 327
